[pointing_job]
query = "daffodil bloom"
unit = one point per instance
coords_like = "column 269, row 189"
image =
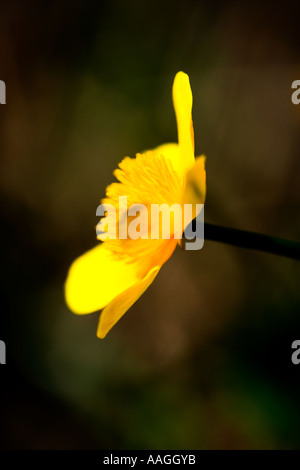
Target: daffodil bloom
column 114, row 274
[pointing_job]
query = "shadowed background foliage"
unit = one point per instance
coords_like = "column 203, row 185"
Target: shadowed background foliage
column 203, row 359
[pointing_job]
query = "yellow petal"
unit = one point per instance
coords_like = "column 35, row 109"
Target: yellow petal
column 183, row 102
column 195, row 186
column 120, row 304
column 96, row 277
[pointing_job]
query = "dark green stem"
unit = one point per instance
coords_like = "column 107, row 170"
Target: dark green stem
column 253, row 241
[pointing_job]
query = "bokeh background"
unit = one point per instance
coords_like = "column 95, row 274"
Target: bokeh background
column 203, row 359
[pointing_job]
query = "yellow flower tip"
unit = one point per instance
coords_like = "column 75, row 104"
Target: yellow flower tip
column 182, row 99
column 183, row 103
column 182, row 89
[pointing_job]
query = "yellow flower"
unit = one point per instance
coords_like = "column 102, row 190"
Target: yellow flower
column 113, row 275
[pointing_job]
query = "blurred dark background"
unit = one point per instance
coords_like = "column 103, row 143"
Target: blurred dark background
column 203, row 359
